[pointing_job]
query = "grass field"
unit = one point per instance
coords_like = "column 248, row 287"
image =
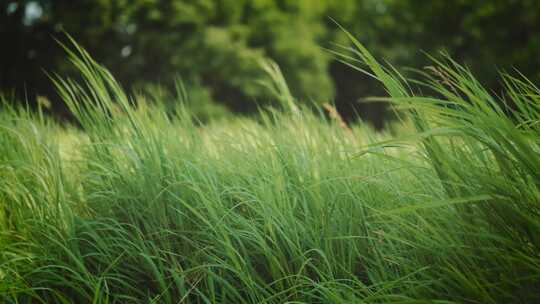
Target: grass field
column 138, row 205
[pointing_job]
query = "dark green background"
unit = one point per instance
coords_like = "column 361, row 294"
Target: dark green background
column 214, row 45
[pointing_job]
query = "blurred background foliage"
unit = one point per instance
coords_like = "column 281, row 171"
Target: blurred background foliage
column 215, row 45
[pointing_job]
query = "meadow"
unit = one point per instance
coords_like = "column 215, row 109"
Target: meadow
column 138, row 204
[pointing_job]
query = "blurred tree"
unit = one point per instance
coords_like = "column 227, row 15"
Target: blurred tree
column 215, row 44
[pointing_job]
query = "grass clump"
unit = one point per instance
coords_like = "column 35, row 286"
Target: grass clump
column 144, row 207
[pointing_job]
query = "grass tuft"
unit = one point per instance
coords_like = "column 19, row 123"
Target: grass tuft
column 141, row 206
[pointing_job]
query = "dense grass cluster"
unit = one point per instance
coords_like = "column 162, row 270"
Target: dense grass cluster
column 138, row 205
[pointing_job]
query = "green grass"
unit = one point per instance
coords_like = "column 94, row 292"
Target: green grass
column 141, row 206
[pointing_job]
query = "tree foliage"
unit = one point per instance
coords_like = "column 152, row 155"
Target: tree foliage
column 216, row 45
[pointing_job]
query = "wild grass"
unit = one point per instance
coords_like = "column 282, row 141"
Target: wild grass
column 141, row 206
